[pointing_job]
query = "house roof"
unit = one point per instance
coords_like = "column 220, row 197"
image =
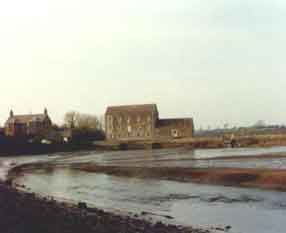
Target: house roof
column 23, row 119
column 142, row 108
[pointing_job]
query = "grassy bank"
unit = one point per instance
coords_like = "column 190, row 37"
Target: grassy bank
column 196, row 143
column 12, row 148
column 239, row 177
column 19, row 148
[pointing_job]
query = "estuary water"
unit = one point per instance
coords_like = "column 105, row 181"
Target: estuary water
column 206, row 206
column 245, row 210
column 182, row 158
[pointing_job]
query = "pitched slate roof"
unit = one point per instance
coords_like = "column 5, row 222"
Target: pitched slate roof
column 174, row 121
column 142, row 108
column 23, row 119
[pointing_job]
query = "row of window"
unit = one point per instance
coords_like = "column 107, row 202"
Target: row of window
column 122, row 135
column 174, row 133
column 120, row 119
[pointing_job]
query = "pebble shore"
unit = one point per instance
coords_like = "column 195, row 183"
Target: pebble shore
column 22, row 212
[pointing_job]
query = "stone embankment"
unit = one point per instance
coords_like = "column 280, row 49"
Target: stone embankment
column 27, row 213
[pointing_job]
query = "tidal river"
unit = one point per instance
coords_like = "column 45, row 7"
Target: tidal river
column 245, row 210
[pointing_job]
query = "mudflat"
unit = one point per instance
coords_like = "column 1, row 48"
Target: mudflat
column 240, row 177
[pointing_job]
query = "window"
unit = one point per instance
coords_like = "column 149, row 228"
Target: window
column 110, row 122
column 138, row 119
column 174, row 133
column 109, row 119
column 149, row 119
column 140, row 132
column 129, row 129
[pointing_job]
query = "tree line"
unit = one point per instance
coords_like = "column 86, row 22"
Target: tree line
column 84, row 126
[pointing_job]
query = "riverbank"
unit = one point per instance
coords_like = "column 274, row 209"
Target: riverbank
column 88, row 182
column 22, row 212
column 195, row 143
column 20, row 148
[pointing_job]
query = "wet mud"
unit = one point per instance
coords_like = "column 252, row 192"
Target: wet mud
column 240, row 177
column 23, row 212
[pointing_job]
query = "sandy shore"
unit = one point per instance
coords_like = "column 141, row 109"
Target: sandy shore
column 26, row 213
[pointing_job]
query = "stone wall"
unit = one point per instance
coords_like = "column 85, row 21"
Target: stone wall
column 175, row 128
column 141, row 122
column 129, row 126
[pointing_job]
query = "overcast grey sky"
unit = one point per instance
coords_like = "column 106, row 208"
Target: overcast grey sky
column 215, row 60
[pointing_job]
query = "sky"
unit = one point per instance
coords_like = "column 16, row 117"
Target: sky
column 218, row 61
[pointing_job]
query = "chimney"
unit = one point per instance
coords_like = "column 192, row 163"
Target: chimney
column 46, row 111
column 11, row 114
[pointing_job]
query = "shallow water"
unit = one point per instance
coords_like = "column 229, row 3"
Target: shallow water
column 7, row 163
column 246, row 210
column 181, row 158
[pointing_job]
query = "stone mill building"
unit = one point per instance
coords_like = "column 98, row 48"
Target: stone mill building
column 142, row 122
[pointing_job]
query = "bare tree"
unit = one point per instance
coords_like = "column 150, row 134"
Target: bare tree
column 70, row 119
column 85, row 126
column 87, row 122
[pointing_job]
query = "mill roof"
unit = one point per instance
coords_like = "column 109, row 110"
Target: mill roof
column 142, row 108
